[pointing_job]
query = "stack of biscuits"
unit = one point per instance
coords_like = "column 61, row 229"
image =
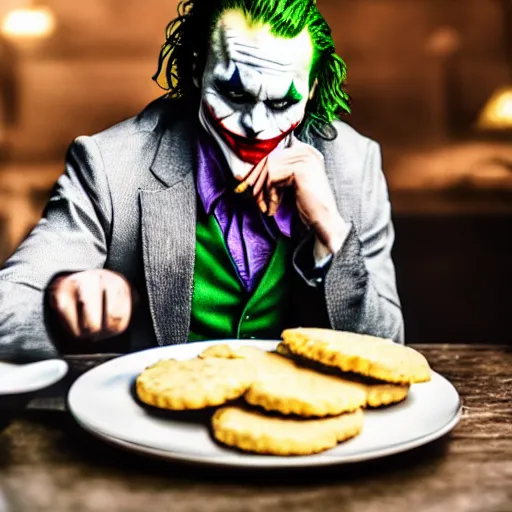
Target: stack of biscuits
column 305, row 398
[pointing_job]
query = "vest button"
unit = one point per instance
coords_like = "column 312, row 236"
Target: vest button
column 247, row 317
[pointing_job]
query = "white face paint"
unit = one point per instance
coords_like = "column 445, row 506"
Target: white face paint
column 255, row 89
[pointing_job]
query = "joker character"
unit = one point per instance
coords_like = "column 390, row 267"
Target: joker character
column 235, row 206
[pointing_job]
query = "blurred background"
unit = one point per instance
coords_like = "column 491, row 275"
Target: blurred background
column 430, row 80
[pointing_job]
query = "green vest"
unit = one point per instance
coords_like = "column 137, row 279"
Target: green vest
column 221, row 308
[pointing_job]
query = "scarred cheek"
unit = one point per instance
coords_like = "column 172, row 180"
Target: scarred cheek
column 233, row 124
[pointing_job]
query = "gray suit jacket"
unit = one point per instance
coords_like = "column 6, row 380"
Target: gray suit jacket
column 127, row 202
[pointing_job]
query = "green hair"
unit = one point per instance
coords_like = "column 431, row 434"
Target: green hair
column 188, row 37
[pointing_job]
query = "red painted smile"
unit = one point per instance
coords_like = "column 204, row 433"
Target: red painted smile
column 248, row 150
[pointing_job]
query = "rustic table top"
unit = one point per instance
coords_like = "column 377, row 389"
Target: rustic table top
column 47, row 463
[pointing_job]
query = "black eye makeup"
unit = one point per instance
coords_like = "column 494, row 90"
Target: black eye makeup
column 292, row 98
column 233, row 89
column 280, row 105
column 234, row 94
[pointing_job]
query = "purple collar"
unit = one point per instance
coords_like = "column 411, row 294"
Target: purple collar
column 214, row 182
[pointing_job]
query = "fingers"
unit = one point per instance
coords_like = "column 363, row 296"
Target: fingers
column 265, row 190
column 258, row 186
column 63, row 301
column 296, row 153
column 89, row 301
column 280, row 175
column 279, row 170
column 117, row 308
column 93, row 305
column 260, row 201
column 277, row 176
column 274, row 200
column 252, row 177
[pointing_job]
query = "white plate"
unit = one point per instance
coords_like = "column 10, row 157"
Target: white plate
column 26, row 378
column 102, row 402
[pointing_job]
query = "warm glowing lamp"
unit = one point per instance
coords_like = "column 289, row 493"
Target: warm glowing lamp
column 497, row 113
column 31, row 22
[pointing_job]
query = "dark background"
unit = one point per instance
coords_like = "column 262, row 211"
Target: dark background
column 419, row 73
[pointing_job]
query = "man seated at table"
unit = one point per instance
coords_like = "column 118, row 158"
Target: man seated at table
column 148, row 238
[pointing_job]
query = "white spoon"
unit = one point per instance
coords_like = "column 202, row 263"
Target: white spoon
column 24, row 378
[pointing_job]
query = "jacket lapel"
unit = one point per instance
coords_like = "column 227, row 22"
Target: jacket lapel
column 169, row 234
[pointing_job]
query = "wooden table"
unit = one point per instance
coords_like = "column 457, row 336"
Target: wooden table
column 47, row 463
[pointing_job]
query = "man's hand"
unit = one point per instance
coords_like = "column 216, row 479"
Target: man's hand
column 302, row 167
column 92, row 305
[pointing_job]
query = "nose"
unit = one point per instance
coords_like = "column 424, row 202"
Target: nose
column 255, row 120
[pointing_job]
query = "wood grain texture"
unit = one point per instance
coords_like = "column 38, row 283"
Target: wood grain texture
column 47, row 463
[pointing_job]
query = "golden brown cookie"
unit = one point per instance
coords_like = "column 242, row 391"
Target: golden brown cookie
column 378, row 393
column 222, row 351
column 362, row 354
column 256, row 432
column 193, row 384
column 382, row 394
column 284, row 386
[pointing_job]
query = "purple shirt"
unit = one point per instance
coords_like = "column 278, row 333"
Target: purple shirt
column 250, row 236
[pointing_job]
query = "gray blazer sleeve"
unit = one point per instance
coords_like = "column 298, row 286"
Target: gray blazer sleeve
column 71, row 236
column 360, row 285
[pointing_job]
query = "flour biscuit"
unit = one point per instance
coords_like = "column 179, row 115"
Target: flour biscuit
column 193, row 384
column 257, row 432
column 382, row 394
column 365, row 355
column 284, row 386
column 224, row 351
column 378, row 393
